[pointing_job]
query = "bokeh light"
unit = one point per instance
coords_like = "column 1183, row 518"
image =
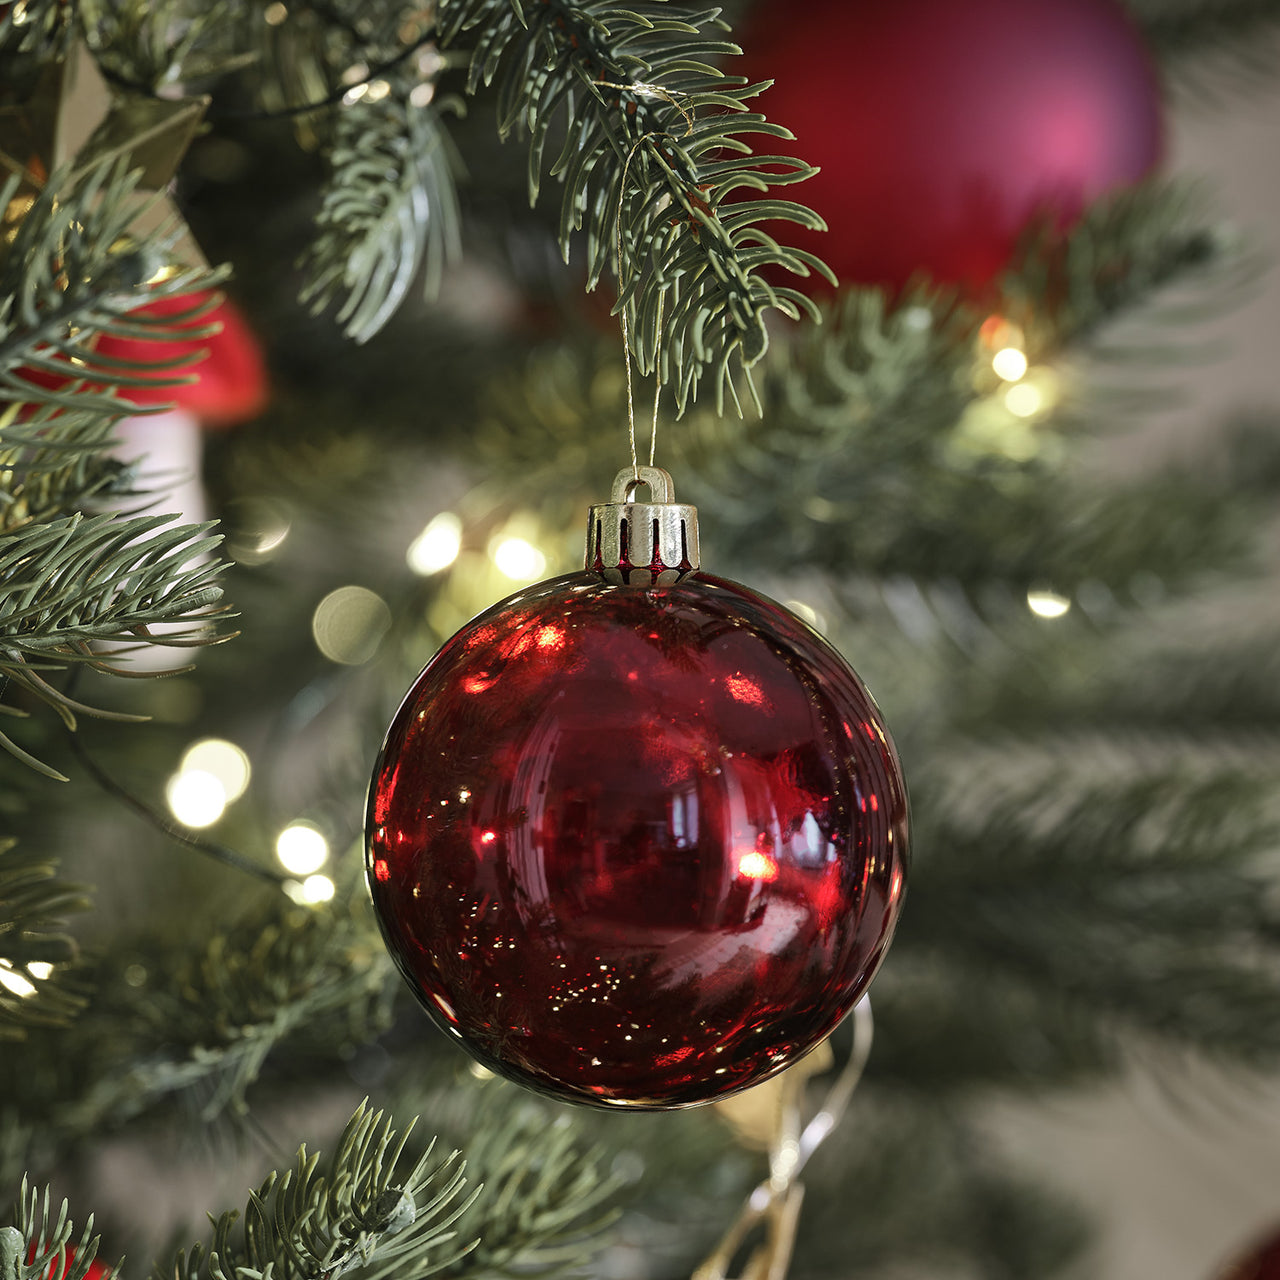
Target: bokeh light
column 437, row 546
column 302, row 849
column 349, row 623
column 1047, row 604
column 227, row 762
column 519, row 559
column 196, row 797
column 1009, row 363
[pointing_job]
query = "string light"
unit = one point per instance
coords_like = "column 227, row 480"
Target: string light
column 1047, row 604
column 1009, row 363
column 195, row 797
column 349, row 623
column 14, row 981
column 807, row 612
column 437, row 546
column 302, row 849
column 1023, row 400
column 518, row 559
column 312, row 890
column 224, row 760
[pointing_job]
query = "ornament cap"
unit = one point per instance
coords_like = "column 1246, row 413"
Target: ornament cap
column 643, row 544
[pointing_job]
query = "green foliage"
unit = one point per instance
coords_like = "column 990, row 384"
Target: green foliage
column 71, row 583
column 1092, row 913
column 41, row 1245
column 650, row 156
column 930, row 1194
column 74, row 272
column 1212, row 46
column 34, row 951
column 544, row 1202
column 389, row 211
column 356, row 1214
column 204, row 1021
column 150, row 46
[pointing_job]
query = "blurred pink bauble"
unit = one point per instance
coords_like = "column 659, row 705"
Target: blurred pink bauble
column 942, row 127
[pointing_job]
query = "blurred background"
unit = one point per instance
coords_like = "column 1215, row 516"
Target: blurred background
column 1023, row 475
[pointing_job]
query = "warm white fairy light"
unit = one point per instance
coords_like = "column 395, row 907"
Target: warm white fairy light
column 1047, row 604
column 807, row 612
column 196, row 797
column 349, row 623
column 39, row 969
column 1009, row 363
column 518, row 559
column 301, row 849
column 437, row 546
column 1024, row 400
column 227, row 762
column 15, row 982
column 312, row 890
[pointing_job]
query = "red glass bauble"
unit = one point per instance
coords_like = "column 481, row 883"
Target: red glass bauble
column 942, row 127
column 1262, row 1262
column 638, row 847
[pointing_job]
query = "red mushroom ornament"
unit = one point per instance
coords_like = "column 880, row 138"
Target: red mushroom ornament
column 229, row 385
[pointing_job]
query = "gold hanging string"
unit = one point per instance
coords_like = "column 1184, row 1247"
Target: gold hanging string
column 777, row 1200
column 674, row 99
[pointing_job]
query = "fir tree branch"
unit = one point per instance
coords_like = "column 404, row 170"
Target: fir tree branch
column 73, row 272
column 69, row 583
column 389, row 211
column 651, row 156
column 1135, row 906
column 40, row 1246
column 356, row 1214
column 194, row 1017
column 544, row 1200
column 1210, row 46
column 35, row 989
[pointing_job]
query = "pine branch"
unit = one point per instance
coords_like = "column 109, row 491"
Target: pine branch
column 34, row 32
column 72, row 275
column 57, row 462
column 922, row 1192
column 40, row 1246
column 389, row 210
column 356, row 1214
column 1135, row 906
column 75, row 271
column 659, row 163
column 1211, row 46
column 544, row 1203
column 71, row 583
column 35, row 989
column 153, row 45
column 195, row 1016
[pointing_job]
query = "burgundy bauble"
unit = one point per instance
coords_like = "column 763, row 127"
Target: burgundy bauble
column 637, row 846
column 942, row 127
column 1261, row 1262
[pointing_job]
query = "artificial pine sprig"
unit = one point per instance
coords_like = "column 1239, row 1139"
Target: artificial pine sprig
column 356, row 1214
column 75, row 271
column 40, row 1246
column 651, row 156
column 73, row 582
column 34, row 951
column 390, row 211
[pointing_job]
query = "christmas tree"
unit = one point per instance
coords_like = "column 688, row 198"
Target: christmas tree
column 464, row 247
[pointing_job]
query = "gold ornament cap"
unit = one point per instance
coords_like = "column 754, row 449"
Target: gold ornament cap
column 643, row 544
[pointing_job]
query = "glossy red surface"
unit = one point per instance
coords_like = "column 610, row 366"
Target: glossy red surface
column 637, row 847
column 941, row 127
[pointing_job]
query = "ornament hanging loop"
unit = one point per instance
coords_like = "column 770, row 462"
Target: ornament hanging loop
column 661, row 487
column 643, row 544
